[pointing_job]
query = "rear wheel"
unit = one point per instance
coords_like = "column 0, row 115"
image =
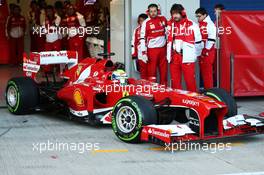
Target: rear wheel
column 22, row 95
column 130, row 115
column 223, row 96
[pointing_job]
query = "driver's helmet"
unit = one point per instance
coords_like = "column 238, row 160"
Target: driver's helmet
column 120, row 76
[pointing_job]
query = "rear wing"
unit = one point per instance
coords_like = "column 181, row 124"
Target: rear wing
column 32, row 64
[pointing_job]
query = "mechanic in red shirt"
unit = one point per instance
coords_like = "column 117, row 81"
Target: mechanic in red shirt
column 208, row 31
column 15, row 32
column 51, row 23
column 153, row 44
column 34, row 23
column 143, row 67
column 184, row 40
column 75, row 21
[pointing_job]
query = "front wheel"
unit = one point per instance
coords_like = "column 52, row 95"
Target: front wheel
column 130, row 115
column 22, row 95
column 221, row 95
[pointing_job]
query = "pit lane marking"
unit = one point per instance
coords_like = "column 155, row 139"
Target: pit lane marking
column 110, row 151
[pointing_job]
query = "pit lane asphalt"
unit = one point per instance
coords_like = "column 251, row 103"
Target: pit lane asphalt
column 18, row 156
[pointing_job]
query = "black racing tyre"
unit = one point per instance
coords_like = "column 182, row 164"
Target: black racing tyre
column 221, row 95
column 22, row 95
column 130, row 115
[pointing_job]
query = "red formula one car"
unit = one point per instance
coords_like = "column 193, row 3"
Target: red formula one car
column 99, row 91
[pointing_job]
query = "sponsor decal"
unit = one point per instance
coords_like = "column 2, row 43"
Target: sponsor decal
column 78, row 98
column 145, row 95
column 31, row 67
column 95, row 74
column 125, row 93
column 79, row 113
column 152, row 26
column 158, row 133
column 54, row 54
column 190, row 102
column 144, row 130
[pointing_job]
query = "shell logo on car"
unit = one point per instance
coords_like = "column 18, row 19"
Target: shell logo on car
column 78, row 98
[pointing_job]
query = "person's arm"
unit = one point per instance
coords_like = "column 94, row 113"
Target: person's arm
column 42, row 17
column 31, row 18
column 81, row 19
column 165, row 21
column 197, row 39
column 133, row 45
column 143, row 38
column 169, row 33
column 7, row 27
column 211, row 30
column 24, row 25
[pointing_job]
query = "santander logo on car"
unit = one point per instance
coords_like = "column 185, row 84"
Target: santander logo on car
column 158, row 133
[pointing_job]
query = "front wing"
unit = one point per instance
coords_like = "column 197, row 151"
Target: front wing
column 240, row 125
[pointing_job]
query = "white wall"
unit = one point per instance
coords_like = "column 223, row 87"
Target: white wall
column 117, row 23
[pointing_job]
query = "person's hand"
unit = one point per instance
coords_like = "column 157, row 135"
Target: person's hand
column 169, row 59
column 205, row 52
column 145, row 58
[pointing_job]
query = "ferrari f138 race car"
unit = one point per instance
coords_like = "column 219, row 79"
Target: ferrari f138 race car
column 99, row 91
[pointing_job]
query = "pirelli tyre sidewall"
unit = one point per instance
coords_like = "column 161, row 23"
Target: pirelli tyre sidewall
column 22, row 95
column 145, row 114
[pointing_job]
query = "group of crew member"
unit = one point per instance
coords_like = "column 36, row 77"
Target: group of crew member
column 44, row 22
column 15, row 32
column 177, row 42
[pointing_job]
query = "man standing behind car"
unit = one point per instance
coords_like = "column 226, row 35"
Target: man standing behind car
column 51, row 24
column 208, row 31
column 153, row 44
column 15, row 32
column 76, row 24
column 184, row 39
column 143, row 67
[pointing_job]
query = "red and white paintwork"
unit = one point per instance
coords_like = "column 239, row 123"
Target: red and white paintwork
column 235, row 126
column 91, row 77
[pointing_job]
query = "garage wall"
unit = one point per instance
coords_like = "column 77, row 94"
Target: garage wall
column 117, row 22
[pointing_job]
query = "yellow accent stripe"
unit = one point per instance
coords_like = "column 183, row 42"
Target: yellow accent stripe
column 110, row 151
